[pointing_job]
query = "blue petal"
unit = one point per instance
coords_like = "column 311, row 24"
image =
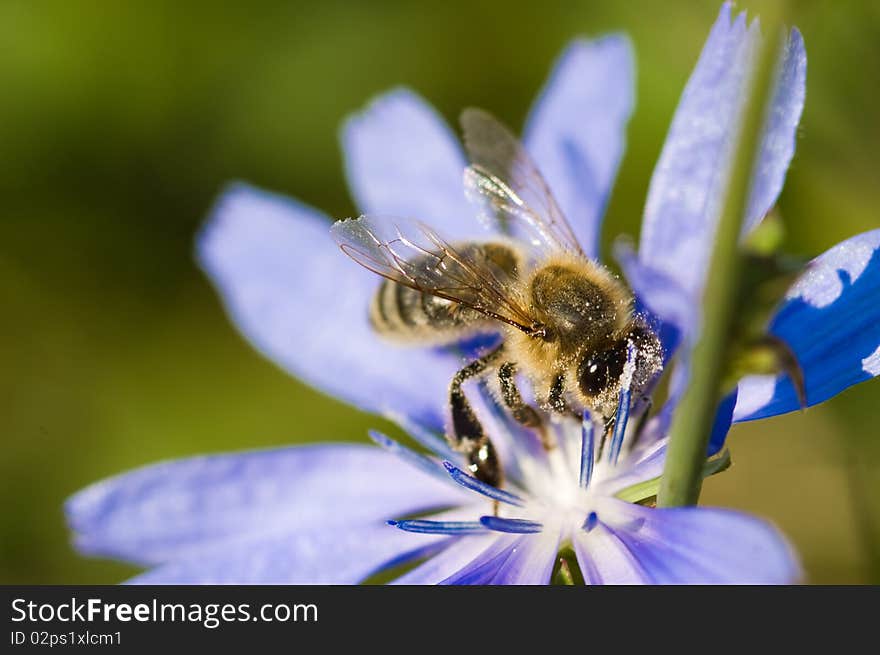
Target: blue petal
column 576, row 131
column 517, row 560
column 603, row 559
column 831, row 321
column 304, row 304
column 647, row 459
column 688, row 185
column 642, row 464
column 178, row 509
column 448, row 562
column 722, row 423
column 672, row 310
column 403, row 160
column 332, row 555
column 688, row 545
column 778, row 140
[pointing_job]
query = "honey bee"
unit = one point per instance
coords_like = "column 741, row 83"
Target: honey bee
column 567, row 323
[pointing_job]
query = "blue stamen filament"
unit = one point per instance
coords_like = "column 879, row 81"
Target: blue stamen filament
column 623, row 402
column 470, row 482
column 416, row 459
column 422, row 526
column 588, row 439
column 424, row 436
column 512, row 526
column 620, row 420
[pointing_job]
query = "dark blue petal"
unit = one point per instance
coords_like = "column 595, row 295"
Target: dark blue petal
column 688, row 185
column 403, row 160
column 831, row 321
column 181, row 508
column 576, row 131
column 304, row 304
column 723, row 420
column 688, row 545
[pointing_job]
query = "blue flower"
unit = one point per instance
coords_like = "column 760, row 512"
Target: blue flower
column 319, row 513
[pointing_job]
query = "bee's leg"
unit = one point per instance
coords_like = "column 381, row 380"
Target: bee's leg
column 607, row 423
column 467, row 434
column 556, row 399
column 523, row 413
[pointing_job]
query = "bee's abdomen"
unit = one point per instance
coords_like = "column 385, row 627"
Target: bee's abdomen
column 420, row 316
column 404, row 313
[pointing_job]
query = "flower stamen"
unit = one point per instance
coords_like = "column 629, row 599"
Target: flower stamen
column 470, row 482
column 622, row 416
column 591, row 522
column 423, row 526
column 418, row 460
column 588, row 445
column 512, row 526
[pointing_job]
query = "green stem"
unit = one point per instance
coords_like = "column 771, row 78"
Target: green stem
column 692, row 423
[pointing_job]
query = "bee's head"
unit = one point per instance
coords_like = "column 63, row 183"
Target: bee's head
column 600, row 370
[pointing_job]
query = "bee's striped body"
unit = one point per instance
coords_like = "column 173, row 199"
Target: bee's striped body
column 405, row 314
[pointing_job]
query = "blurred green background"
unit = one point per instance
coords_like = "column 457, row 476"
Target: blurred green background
column 119, row 123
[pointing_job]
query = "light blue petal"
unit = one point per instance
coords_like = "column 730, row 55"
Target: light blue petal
column 304, row 304
column 831, row 321
column 778, row 140
column 686, row 545
column 603, row 559
column 179, row 509
column 645, row 458
column 688, row 184
column 576, row 131
column 450, row 561
column 331, row 555
column 403, row 160
column 670, row 309
column 512, row 560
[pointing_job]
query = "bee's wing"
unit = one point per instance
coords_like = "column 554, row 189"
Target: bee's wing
column 410, row 253
column 507, row 185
